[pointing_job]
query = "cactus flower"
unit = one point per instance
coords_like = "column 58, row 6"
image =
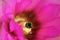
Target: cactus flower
column 44, row 16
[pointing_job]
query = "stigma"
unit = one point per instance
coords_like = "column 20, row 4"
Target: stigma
column 23, row 21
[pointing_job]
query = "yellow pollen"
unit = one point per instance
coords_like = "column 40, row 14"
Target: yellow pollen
column 22, row 21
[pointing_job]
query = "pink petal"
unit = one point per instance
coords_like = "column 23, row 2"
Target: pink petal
column 17, row 30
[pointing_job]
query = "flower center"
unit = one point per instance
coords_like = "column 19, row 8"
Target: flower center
column 24, row 22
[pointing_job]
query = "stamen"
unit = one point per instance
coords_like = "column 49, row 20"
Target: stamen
column 26, row 26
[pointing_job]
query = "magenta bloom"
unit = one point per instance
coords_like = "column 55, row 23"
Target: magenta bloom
column 47, row 15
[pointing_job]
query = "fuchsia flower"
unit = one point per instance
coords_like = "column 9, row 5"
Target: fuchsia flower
column 47, row 15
